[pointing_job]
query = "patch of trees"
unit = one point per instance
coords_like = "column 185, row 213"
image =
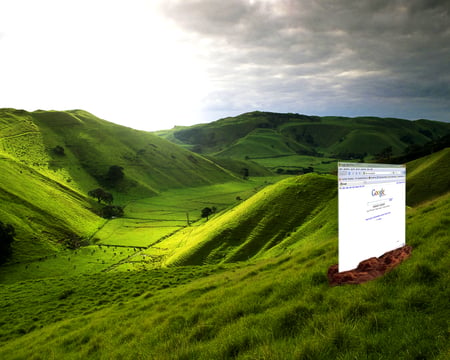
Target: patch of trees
column 350, row 155
column 108, row 211
column 73, row 241
column 7, row 233
column 276, row 119
column 298, row 171
column 101, row 195
column 112, row 211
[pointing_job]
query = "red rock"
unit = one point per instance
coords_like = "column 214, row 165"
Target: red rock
column 369, row 269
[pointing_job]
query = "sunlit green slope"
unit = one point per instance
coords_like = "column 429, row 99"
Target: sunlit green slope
column 428, row 177
column 282, row 215
column 49, row 161
column 149, row 163
column 268, row 220
column 43, row 211
column 276, row 308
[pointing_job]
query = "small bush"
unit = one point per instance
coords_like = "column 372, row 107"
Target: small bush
column 112, row 211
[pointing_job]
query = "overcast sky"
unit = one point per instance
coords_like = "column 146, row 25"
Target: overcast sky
column 153, row 64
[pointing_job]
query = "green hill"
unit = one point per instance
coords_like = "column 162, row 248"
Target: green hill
column 50, row 160
column 279, row 217
column 288, row 141
column 269, row 219
column 277, row 308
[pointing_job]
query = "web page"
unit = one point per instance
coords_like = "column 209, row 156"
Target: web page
column 371, row 211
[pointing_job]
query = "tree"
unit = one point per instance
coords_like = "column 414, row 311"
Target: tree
column 245, row 173
column 112, row 211
column 101, row 195
column 206, row 212
column 7, row 233
column 108, row 198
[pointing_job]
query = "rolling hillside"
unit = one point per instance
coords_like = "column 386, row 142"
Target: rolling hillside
column 281, row 216
column 280, row 307
column 50, row 160
column 265, row 137
column 269, row 220
column 250, row 282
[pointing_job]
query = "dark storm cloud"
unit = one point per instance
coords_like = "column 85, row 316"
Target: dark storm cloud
column 322, row 56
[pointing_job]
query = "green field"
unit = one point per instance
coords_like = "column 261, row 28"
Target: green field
column 320, row 165
column 147, row 221
column 132, row 241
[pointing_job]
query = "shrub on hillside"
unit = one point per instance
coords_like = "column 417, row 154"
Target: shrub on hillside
column 207, row 211
column 112, row 211
column 73, row 241
column 101, row 195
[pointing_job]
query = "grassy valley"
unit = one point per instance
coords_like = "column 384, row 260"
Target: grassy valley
column 247, row 282
column 51, row 160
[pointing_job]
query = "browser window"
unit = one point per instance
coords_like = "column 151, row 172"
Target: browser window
column 371, row 211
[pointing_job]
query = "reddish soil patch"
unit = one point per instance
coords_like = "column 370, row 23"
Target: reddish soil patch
column 369, row 269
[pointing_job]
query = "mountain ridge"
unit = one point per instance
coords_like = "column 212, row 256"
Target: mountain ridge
column 263, row 134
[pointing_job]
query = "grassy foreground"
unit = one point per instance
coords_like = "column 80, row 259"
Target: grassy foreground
column 277, row 308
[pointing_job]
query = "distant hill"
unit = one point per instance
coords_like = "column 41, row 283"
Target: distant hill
column 263, row 135
column 50, row 160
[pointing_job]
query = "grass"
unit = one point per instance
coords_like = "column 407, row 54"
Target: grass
column 135, row 241
column 298, row 162
column 86, row 260
column 280, row 307
column 255, row 225
column 428, row 177
column 40, row 221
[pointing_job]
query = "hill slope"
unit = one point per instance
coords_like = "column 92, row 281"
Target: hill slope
column 51, row 159
column 279, row 217
column 428, row 177
column 258, row 135
column 258, row 224
column 277, row 308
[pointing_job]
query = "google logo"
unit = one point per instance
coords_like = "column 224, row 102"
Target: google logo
column 379, row 193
